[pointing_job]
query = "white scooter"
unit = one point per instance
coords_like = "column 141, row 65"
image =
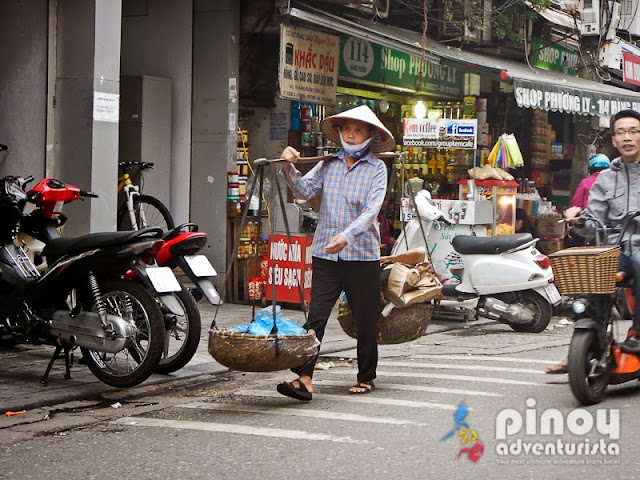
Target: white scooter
column 504, row 278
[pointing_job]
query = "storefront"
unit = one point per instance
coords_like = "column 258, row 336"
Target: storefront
column 329, row 64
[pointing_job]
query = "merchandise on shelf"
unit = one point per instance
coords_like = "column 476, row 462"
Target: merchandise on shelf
column 257, row 288
column 237, row 178
column 540, row 177
column 542, row 137
column 436, row 168
column 250, row 245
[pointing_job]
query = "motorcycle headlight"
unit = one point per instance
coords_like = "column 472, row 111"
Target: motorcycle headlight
column 579, row 306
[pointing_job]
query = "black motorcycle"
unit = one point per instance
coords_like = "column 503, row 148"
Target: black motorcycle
column 82, row 300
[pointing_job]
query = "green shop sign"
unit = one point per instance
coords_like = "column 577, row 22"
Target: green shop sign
column 551, row 57
column 364, row 61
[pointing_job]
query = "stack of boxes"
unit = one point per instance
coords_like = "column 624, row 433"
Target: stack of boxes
column 551, row 232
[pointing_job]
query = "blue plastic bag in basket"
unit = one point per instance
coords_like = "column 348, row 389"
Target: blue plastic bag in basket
column 263, row 324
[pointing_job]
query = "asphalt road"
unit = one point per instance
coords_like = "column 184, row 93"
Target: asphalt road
column 234, row 425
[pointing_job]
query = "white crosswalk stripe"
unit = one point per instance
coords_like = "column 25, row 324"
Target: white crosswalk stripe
column 484, row 358
column 346, row 398
column 412, row 388
column 231, row 428
column 458, row 378
column 451, row 366
column 297, row 412
column 492, row 371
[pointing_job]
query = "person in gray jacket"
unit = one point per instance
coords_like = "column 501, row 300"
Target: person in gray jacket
column 614, row 199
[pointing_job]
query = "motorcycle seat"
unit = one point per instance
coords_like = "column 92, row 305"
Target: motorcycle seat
column 171, row 234
column 64, row 246
column 469, row 245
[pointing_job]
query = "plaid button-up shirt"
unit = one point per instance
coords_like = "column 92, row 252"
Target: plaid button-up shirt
column 351, row 200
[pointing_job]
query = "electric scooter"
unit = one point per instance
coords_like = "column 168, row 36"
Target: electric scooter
column 596, row 359
column 504, row 278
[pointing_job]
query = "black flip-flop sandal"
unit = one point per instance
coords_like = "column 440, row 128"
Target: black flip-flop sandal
column 367, row 387
column 288, row 389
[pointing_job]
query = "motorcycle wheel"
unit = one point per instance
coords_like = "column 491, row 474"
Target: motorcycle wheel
column 588, row 381
column 622, row 304
column 182, row 335
column 540, row 308
column 135, row 363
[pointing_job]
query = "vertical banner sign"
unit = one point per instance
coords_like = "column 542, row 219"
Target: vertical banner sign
column 631, row 70
column 308, row 65
column 288, row 263
column 440, row 133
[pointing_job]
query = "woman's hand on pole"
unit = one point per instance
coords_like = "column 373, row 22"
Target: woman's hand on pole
column 290, row 154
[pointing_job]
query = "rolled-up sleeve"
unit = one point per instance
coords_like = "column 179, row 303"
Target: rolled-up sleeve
column 307, row 186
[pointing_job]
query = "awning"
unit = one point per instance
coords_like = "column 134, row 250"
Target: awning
column 533, row 87
column 557, row 16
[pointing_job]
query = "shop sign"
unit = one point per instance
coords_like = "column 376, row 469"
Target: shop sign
column 308, row 65
column 570, row 100
column 288, row 264
column 370, row 62
column 631, row 68
column 552, row 57
column 440, row 133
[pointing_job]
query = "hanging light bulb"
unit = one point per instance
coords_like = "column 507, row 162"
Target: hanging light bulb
column 420, row 110
column 384, row 103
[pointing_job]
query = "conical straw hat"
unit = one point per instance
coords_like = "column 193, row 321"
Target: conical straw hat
column 383, row 140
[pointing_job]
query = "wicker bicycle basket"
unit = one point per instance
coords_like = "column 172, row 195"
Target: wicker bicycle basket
column 261, row 353
column 402, row 325
column 584, row 270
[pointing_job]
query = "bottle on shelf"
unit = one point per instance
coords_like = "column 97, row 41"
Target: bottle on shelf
column 441, row 165
column 432, row 166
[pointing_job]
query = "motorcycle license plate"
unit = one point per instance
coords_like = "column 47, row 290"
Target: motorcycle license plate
column 552, row 293
column 163, row 279
column 200, row 266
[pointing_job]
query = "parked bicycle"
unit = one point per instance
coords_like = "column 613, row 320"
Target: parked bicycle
column 140, row 210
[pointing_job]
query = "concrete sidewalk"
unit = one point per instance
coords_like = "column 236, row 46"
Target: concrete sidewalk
column 24, row 365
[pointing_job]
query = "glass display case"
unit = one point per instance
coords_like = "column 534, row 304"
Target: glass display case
column 502, row 194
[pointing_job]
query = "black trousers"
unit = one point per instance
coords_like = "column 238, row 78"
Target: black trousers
column 361, row 283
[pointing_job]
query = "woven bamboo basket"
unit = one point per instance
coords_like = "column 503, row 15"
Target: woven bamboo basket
column 402, row 325
column 258, row 353
column 585, row 270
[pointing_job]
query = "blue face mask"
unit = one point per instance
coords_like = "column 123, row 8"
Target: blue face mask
column 356, row 152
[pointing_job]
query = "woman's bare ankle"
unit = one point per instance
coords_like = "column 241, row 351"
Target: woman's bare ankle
column 308, row 382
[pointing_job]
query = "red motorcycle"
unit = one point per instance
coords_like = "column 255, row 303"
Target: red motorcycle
column 178, row 305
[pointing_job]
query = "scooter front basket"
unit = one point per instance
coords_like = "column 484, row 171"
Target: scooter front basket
column 586, row 270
